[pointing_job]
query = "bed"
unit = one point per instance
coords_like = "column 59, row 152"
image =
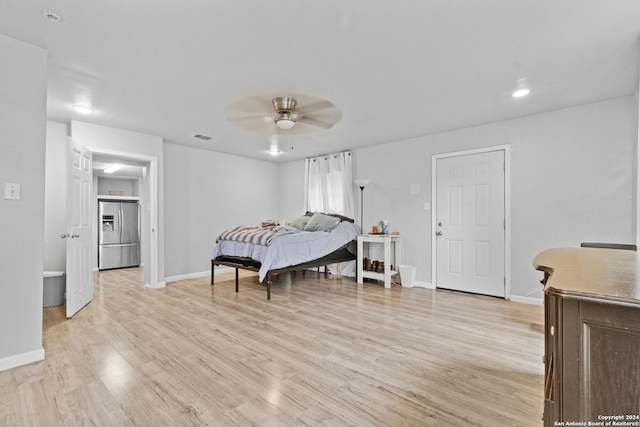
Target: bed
column 312, row 240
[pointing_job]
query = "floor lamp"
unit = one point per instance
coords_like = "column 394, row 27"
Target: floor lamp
column 361, row 183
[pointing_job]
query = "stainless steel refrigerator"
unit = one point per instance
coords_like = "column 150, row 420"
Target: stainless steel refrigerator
column 119, row 236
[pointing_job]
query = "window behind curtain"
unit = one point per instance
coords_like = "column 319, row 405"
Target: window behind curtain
column 329, row 184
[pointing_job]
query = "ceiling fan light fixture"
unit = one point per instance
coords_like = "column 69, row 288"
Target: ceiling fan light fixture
column 286, row 115
column 284, row 121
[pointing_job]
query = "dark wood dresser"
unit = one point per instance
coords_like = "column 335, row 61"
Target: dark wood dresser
column 592, row 336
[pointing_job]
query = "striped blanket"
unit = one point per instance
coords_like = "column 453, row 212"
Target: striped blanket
column 255, row 235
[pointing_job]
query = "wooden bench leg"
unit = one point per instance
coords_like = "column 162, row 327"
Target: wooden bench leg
column 268, row 286
column 236, row 279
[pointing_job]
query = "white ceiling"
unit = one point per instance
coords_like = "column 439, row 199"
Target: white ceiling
column 396, row 69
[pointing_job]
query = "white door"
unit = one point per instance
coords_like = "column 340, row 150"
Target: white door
column 470, row 223
column 79, row 272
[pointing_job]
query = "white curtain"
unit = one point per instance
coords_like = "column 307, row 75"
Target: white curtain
column 329, row 184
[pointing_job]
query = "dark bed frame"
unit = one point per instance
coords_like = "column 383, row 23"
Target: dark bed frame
column 341, row 255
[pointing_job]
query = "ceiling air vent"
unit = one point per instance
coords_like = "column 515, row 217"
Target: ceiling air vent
column 204, row 137
column 50, row 15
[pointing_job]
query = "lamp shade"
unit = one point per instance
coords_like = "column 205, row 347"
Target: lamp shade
column 361, row 182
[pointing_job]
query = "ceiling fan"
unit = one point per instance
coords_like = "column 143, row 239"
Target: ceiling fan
column 283, row 114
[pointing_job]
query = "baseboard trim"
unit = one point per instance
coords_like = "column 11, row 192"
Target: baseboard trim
column 527, row 300
column 21, row 359
column 187, row 276
column 160, row 285
column 425, row 285
column 218, row 270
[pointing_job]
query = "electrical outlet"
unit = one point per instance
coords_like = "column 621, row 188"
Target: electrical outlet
column 11, row 191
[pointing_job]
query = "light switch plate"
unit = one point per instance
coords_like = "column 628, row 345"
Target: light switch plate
column 11, row 191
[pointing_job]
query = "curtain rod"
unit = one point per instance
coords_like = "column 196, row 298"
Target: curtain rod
column 330, row 154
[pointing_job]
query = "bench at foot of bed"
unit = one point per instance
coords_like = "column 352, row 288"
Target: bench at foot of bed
column 341, row 255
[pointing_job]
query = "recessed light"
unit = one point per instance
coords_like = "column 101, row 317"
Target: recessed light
column 83, row 109
column 521, row 92
column 51, row 16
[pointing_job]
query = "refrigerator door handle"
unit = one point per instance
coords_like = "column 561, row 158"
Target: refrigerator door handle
column 121, row 220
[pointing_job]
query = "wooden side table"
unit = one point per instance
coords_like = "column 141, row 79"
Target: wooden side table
column 391, row 243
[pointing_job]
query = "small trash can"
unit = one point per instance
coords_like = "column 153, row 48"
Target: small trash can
column 53, row 288
column 407, row 275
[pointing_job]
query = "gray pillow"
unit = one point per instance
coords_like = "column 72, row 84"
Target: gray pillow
column 320, row 222
column 300, row 222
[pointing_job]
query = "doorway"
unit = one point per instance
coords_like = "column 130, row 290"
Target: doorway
column 144, row 171
column 470, row 221
column 119, row 193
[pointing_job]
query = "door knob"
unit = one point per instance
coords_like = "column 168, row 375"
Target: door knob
column 440, row 224
column 64, row 235
column 73, row 236
column 439, row 233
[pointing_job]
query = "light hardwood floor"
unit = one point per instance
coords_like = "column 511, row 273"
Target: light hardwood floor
column 322, row 352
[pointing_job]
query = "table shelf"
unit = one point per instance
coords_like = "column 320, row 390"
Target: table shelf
column 392, row 250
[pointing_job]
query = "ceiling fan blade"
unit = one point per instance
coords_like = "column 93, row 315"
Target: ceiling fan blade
column 251, row 106
column 317, row 123
column 251, row 113
column 249, row 117
column 259, row 124
column 315, row 106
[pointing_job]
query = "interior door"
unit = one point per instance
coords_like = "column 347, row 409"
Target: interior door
column 470, row 223
column 79, row 274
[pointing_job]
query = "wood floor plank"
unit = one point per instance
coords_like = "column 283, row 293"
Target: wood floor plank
column 323, row 351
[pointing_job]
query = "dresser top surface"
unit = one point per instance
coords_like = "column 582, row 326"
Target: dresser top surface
column 590, row 272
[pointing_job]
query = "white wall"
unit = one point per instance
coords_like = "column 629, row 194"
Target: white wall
column 291, row 200
column 23, row 96
column 128, row 186
column 572, row 180
column 206, row 193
